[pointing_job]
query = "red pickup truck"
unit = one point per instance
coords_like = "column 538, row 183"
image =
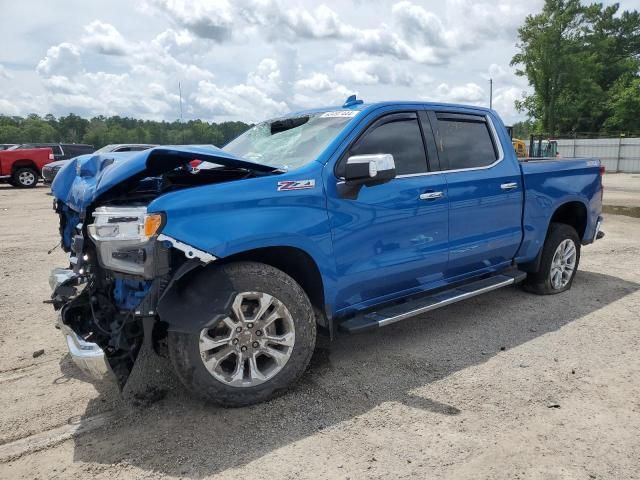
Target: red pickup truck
column 23, row 167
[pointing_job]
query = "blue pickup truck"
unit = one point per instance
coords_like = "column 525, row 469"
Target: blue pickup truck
column 339, row 219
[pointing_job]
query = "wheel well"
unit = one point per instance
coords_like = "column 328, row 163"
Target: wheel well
column 22, row 164
column 296, row 263
column 574, row 214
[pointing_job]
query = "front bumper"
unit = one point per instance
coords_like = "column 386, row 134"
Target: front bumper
column 88, row 356
column 48, row 174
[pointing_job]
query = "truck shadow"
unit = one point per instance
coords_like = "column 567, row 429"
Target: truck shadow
column 182, row 436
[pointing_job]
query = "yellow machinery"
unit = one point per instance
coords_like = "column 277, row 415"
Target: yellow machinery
column 520, row 146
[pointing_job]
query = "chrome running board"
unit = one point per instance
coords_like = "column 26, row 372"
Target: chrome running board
column 411, row 308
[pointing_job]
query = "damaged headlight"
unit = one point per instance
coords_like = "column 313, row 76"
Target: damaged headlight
column 124, row 223
column 124, row 238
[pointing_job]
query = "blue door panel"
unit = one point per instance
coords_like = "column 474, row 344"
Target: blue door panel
column 485, row 227
column 388, row 241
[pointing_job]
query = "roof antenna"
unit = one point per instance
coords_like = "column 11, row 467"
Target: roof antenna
column 351, row 101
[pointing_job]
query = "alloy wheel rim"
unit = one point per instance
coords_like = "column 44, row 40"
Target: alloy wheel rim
column 26, row 178
column 563, row 264
column 252, row 344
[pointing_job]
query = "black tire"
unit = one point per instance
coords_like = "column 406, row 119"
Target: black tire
column 540, row 282
column 184, row 349
column 24, row 177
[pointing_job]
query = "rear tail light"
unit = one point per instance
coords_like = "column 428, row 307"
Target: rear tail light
column 602, row 170
column 51, row 157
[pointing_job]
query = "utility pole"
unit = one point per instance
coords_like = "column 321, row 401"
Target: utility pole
column 181, row 120
column 491, row 93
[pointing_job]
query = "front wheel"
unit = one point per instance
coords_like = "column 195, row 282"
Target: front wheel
column 259, row 349
column 559, row 262
column 24, row 178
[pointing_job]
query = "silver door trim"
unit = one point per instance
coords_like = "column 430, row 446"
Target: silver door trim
column 431, row 195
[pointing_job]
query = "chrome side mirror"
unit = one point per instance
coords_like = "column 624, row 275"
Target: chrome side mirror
column 370, row 169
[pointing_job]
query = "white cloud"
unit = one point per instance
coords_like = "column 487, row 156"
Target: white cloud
column 503, row 103
column 469, row 93
column 419, row 26
column 62, row 59
column 322, row 22
column 267, row 77
column 104, row 38
column 4, row 73
column 61, row 84
column 385, row 42
column 8, row 108
column 318, row 89
column 219, row 20
column 252, row 59
column 172, row 41
column 212, row 19
column 238, row 101
column 478, row 21
column 317, row 82
column 372, row 72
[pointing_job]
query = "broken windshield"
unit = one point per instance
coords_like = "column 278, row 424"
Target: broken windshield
column 290, row 142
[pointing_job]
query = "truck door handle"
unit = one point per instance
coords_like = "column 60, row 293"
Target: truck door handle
column 509, row 186
column 431, row 195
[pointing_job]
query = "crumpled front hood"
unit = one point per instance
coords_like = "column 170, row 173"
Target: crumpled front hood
column 85, row 178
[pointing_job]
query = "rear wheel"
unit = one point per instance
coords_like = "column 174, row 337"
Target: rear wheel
column 559, row 262
column 24, row 178
column 259, row 349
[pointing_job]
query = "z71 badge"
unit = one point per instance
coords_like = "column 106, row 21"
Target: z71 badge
column 295, row 185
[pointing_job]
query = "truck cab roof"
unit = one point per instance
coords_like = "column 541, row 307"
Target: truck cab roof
column 368, row 107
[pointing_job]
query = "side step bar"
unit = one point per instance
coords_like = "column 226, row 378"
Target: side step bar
column 411, row 308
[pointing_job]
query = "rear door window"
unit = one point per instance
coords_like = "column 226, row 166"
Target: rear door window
column 465, row 141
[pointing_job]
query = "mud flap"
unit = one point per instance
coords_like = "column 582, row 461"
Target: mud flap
column 150, row 379
column 196, row 298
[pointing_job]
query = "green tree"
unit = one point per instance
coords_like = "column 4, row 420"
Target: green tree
column 573, row 56
column 72, row 128
column 523, row 130
column 624, row 105
column 550, row 58
column 35, row 130
column 100, row 131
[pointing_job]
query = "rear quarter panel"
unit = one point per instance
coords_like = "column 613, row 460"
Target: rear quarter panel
column 548, row 185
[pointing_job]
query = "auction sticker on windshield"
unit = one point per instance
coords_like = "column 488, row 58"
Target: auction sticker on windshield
column 340, row 114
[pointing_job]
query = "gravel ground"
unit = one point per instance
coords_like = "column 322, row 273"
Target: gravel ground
column 507, row 385
column 622, row 189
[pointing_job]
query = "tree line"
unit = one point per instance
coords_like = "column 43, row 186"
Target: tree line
column 101, row 131
column 583, row 62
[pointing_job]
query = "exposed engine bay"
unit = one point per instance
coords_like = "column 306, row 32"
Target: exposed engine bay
column 120, row 265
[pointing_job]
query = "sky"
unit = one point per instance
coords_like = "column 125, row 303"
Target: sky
column 250, row 60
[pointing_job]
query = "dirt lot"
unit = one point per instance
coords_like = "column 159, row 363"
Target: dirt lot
column 505, row 386
column 622, row 189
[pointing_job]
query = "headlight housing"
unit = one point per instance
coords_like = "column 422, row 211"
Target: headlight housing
column 125, row 238
column 124, row 223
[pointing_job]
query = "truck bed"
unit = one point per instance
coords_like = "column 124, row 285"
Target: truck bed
column 549, row 182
